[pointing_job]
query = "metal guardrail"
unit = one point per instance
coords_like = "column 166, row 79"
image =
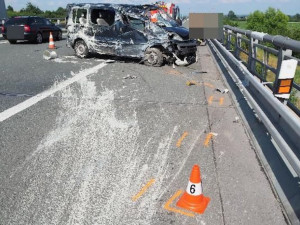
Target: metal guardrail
column 290, row 119
column 244, row 45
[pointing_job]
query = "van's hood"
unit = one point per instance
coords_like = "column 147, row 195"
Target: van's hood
column 181, row 31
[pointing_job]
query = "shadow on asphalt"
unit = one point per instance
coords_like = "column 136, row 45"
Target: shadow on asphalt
column 33, row 43
column 287, row 182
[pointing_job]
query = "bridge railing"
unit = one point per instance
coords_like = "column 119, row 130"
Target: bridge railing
column 263, row 55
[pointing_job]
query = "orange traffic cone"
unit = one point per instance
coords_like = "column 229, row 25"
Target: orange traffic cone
column 51, row 42
column 193, row 199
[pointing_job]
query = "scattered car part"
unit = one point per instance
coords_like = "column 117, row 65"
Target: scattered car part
column 48, row 55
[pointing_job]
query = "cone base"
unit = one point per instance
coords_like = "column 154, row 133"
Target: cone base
column 198, row 204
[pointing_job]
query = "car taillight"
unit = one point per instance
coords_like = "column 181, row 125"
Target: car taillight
column 26, row 28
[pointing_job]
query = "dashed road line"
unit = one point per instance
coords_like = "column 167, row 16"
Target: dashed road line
column 178, row 144
column 169, row 208
column 39, row 97
column 143, row 190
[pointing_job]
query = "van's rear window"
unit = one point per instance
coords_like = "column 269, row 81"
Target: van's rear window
column 17, row 21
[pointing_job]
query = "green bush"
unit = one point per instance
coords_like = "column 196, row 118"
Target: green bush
column 272, row 22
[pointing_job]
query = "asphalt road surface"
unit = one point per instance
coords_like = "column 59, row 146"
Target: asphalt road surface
column 90, row 141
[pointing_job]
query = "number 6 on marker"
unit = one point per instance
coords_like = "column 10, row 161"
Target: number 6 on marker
column 194, row 189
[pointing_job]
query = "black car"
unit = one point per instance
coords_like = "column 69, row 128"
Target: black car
column 30, row 28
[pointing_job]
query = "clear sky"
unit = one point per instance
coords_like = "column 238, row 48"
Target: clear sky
column 240, row 7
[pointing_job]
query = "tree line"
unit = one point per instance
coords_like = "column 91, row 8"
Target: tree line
column 33, row 10
column 272, row 21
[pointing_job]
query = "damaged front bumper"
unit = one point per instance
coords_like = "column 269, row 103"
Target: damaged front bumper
column 185, row 48
column 183, row 52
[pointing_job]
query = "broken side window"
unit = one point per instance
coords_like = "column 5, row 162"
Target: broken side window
column 137, row 24
column 79, row 16
column 103, row 17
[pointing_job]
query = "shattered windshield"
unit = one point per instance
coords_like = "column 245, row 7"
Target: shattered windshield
column 165, row 19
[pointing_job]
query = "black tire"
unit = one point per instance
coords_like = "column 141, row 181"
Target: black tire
column 39, row 38
column 59, row 36
column 81, row 49
column 12, row 42
column 153, row 57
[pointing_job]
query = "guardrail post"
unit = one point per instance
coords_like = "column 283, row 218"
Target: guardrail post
column 224, row 35
column 228, row 44
column 265, row 61
column 252, row 54
column 237, row 45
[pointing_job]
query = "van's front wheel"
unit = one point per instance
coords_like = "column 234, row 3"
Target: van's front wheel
column 153, row 57
column 81, row 49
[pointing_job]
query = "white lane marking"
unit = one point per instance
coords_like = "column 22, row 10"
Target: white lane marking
column 35, row 99
column 3, row 42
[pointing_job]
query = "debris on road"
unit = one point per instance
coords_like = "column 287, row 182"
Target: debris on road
column 223, row 92
column 130, row 77
column 48, row 55
column 198, row 72
column 190, row 83
column 236, row 119
column 106, row 61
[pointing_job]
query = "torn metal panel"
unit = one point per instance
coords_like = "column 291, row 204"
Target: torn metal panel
column 124, row 30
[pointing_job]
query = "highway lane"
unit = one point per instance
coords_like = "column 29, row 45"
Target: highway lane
column 82, row 154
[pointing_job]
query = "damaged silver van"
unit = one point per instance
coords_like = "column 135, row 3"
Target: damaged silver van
column 125, row 31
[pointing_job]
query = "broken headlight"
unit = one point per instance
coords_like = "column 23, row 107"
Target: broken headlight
column 174, row 36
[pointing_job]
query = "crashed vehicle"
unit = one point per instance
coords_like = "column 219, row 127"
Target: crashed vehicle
column 125, row 31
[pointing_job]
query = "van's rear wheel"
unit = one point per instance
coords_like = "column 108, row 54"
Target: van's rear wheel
column 153, row 57
column 81, row 49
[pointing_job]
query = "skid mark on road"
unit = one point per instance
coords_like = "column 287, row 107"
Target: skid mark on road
column 32, row 101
